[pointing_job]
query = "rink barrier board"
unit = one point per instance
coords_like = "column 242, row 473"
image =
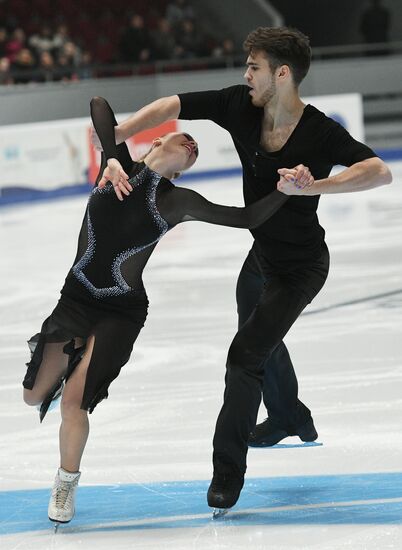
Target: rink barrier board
column 43, row 159
column 15, row 194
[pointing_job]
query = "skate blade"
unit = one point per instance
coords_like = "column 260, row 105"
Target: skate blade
column 219, row 512
column 56, row 526
column 57, row 523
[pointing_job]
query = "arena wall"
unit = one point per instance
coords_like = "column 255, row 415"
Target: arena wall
column 54, row 158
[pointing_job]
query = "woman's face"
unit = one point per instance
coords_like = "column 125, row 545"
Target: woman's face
column 182, row 146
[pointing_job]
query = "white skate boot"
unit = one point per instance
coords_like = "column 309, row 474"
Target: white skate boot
column 62, row 501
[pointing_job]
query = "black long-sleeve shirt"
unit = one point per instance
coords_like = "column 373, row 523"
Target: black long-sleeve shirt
column 293, row 235
column 118, row 237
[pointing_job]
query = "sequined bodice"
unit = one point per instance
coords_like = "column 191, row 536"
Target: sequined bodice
column 118, row 233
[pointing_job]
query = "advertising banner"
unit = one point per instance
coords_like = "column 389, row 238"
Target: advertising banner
column 50, row 156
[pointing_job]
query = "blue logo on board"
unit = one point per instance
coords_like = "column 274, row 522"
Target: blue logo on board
column 11, row 152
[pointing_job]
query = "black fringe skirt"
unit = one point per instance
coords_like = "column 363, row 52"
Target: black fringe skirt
column 115, row 331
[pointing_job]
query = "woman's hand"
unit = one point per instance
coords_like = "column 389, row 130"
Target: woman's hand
column 116, row 175
column 295, row 181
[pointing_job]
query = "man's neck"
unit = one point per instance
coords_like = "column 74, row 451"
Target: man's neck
column 286, row 111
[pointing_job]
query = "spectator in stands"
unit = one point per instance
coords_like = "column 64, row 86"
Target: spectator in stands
column 3, row 41
column 178, row 10
column 190, row 39
column 24, row 65
column 226, row 48
column 46, row 68
column 16, row 43
column 65, row 69
column 72, row 53
column 135, row 42
column 227, row 54
column 43, row 41
column 5, row 75
column 375, row 25
column 61, row 36
column 85, row 68
column 164, row 45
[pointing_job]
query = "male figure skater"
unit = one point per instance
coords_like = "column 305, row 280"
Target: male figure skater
column 276, row 135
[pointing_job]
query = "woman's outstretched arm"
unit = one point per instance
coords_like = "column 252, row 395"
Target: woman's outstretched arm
column 180, row 205
column 116, row 159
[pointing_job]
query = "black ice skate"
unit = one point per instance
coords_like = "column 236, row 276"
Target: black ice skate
column 224, row 491
column 268, row 433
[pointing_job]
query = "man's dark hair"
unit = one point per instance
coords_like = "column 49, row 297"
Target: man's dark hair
column 282, row 46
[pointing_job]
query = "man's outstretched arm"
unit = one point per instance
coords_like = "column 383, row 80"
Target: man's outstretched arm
column 361, row 176
column 153, row 114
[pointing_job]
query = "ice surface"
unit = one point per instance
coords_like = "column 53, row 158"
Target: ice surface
column 147, row 465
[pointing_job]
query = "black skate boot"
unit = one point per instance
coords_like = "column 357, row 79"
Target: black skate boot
column 307, row 431
column 224, row 491
column 268, row 433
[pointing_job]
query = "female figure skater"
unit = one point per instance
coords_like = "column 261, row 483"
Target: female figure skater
column 90, row 334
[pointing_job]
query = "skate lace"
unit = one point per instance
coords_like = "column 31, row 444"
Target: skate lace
column 64, row 493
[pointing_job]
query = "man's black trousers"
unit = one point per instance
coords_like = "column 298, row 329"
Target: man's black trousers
column 269, row 302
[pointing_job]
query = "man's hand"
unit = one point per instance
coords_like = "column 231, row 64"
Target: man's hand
column 116, row 175
column 295, row 181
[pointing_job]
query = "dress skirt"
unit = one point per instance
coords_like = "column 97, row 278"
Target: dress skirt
column 115, row 331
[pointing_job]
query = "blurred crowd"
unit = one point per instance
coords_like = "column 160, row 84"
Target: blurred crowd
column 41, row 57
column 48, row 51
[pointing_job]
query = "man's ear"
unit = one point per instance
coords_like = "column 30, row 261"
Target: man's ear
column 156, row 142
column 284, row 71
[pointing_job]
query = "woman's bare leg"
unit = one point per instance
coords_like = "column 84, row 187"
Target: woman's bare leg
column 53, row 368
column 74, row 428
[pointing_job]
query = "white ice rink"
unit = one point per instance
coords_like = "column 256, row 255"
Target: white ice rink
column 147, row 465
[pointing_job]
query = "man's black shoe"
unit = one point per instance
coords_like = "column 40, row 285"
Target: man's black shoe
column 224, row 490
column 307, row 432
column 268, row 433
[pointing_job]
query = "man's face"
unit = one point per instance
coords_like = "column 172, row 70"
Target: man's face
column 260, row 79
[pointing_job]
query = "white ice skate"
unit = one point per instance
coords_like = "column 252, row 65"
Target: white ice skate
column 62, row 501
